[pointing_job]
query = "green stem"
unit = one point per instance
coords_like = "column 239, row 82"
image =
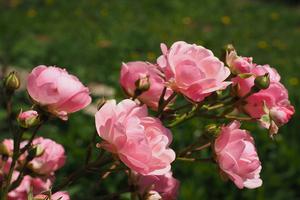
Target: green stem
column 165, row 103
column 81, row 172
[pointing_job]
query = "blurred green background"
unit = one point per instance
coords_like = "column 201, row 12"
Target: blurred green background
column 91, row 38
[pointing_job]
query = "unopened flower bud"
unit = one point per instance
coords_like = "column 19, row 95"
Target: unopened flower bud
column 12, row 81
column 262, row 82
column 4, row 150
column 229, row 48
column 28, row 119
column 143, row 84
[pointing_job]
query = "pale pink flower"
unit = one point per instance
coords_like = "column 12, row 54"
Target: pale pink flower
column 37, row 185
column 55, row 196
column 239, row 64
column 271, row 107
column 245, row 84
column 133, row 71
column 51, row 159
column 57, row 91
column 275, row 96
column 193, row 70
column 141, row 142
column 165, row 185
column 237, row 156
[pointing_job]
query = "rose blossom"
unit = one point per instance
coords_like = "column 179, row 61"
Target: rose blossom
column 133, row 71
column 51, row 159
column 165, row 185
column 193, row 70
column 245, row 84
column 141, row 142
column 239, row 64
column 237, row 157
column 55, row 196
column 58, row 91
column 37, row 185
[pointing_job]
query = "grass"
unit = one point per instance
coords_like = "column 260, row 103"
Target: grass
column 91, row 38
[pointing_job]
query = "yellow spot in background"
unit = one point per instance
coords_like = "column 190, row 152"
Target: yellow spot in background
column 151, row 56
column 14, row 3
column 226, row 20
column 78, row 12
column 49, row 2
column 186, row 20
column 262, row 44
column 274, row 16
column 104, row 43
column 103, row 12
column 294, row 81
column 31, row 12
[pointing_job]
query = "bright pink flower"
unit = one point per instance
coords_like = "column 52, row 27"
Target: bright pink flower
column 141, row 142
column 37, row 185
column 237, row 157
column 55, row 196
column 239, row 64
column 193, row 70
column 133, row 71
column 52, row 157
column 60, row 92
column 165, row 185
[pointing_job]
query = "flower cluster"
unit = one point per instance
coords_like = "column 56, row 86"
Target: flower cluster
column 139, row 141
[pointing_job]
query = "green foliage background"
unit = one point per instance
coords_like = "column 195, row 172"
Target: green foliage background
column 91, row 38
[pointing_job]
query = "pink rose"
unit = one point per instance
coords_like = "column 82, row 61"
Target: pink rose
column 281, row 114
column 245, row 84
column 55, row 196
column 38, row 185
column 165, row 185
column 237, row 157
column 193, row 70
column 133, row 71
column 239, row 64
column 28, row 118
column 51, row 159
column 141, row 142
column 276, row 96
column 58, row 91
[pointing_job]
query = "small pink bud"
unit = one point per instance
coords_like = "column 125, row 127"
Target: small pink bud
column 28, row 118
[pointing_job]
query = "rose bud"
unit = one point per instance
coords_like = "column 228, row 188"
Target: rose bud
column 193, row 70
column 141, row 142
column 237, row 156
column 56, row 91
column 28, row 119
column 12, row 81
column 262, row 82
